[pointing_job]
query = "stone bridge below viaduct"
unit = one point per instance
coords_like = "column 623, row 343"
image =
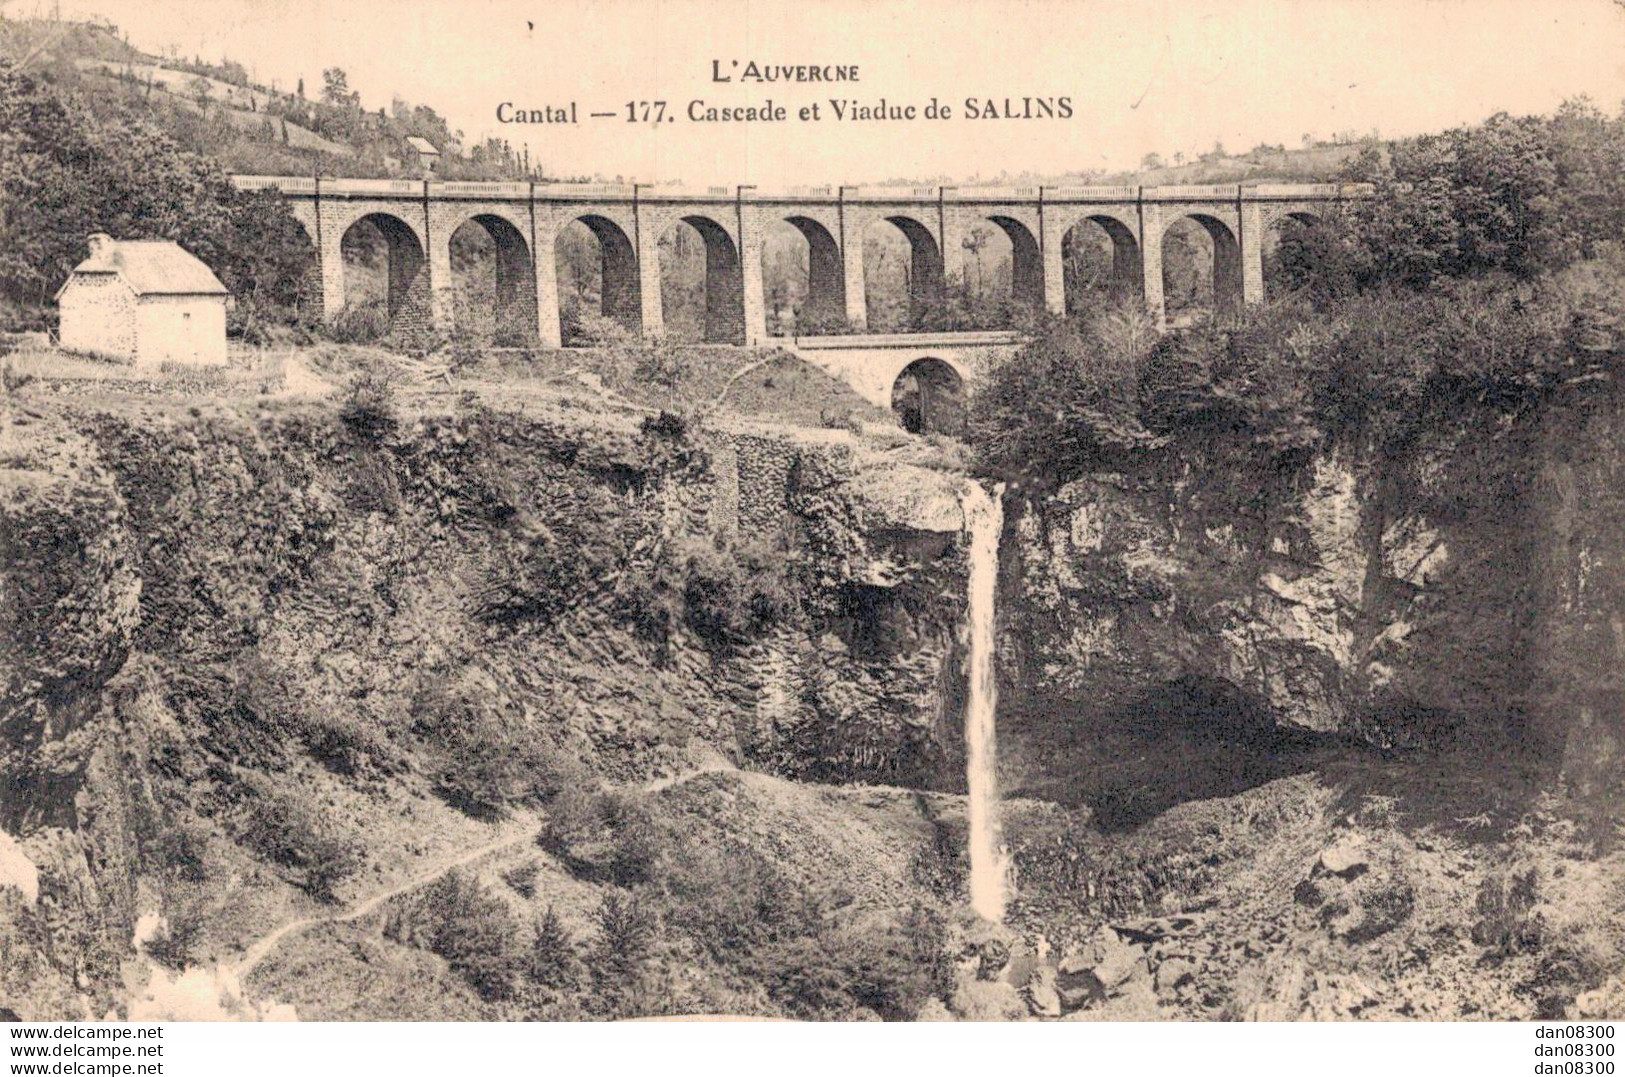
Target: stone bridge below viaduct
column 524, row 221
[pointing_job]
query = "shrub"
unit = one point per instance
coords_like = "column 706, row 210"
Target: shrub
column 553, row 958
column 668, row 424
column 1576, row 959
column 585, row 327
column 729, row 898
column 734, row 589
column 179, row 931
column 639, row 839
column 459, row 919
column 575, row 813
column 11, row 379
column 513, row 335
column 360, row 323
column 628, row 931
column 483, row 760
column 609, row 837
column 890, row 969
column 166, row 843
column 286, row 831
column 369, row 406
column 344, row 741
column 1066, row 401
column 522, row 878
column 658, row 366
column 1506, row 923
column 1383, row 908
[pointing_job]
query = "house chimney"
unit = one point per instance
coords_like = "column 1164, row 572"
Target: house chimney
column 100, row 243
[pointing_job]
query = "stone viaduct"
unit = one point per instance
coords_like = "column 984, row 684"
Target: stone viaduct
column 524, row 220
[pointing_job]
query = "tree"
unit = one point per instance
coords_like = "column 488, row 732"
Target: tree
column 335, row 87
column 1511, row 195
column 301, row 90
column 65, row 173
column 976, row 242
column 1151, row 161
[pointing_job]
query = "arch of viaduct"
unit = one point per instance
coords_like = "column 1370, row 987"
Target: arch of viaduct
column 872, row 364
column 524, row 220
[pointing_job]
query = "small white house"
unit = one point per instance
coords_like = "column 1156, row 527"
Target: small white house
column 428, row 156
column 146, row 300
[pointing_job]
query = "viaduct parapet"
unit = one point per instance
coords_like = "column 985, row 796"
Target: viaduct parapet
column 524, row 220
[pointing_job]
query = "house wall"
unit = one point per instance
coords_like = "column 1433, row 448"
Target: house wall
column 98, row 315
column 180, row 329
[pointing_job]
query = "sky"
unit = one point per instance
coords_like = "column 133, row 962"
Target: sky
column 1142, row 77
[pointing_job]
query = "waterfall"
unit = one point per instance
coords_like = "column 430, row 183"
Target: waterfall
column 984, row 520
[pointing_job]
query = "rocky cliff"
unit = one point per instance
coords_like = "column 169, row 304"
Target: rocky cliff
column 204, row 603
column 1460, row 588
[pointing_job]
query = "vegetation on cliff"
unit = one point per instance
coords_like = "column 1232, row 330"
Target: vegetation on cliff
column 1487, row 270
column 66, row 172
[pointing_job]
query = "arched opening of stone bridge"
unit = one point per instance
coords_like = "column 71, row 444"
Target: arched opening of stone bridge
column 386, row 280
column 1296, row 246
column 803, row 281
column 928, row 397
column 902, row 275
column 297, row 285
column 701, row 286
column 1002, row 276
column 493, row 282
column 1201, row 269
column 1100, row 265
column 600, row 301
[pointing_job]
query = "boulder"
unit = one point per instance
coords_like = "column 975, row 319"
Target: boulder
column 1042, row 997
column 1099, row 969
column 1135, row 1002
column 1078, row 992
column 1345, row 858
column 988, row 1000
column 1119, row 961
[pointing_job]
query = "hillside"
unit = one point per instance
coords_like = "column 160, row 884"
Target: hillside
column 1320, row 162
column 216, row 110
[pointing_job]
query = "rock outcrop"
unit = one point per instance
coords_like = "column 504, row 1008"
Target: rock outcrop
column 1416, row 598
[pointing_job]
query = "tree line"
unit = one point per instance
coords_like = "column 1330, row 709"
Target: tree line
column 1488, row 270
column 67, row 171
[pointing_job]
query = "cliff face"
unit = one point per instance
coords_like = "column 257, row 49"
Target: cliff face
column 484, row 544
column 1577, row 648
column 197, row 601
column 1462, row 587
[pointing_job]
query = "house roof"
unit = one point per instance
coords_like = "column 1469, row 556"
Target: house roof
column 153, row 267
column 421, row 145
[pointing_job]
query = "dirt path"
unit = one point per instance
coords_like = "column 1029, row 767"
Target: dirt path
column 517, row 834
column 263, row 947
column 678, row 779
